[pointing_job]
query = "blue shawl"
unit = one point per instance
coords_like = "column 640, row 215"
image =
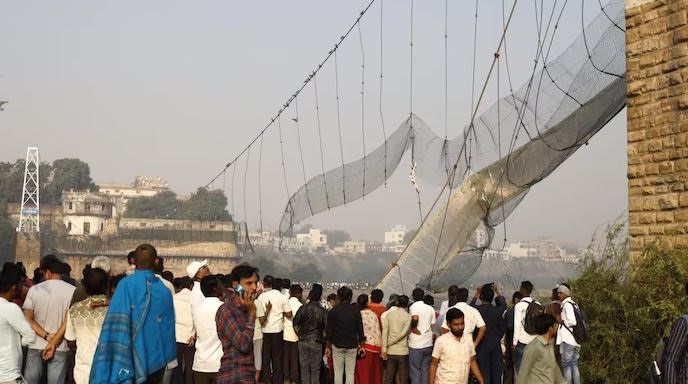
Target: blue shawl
column 137, row 337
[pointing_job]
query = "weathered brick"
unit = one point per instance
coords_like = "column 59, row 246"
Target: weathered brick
column 648, row 218
column 677, row 19
column 680, row 34
column 681, row 241
column 669, row 201
column 674, row 229
column 665, row 217
column 681, row 215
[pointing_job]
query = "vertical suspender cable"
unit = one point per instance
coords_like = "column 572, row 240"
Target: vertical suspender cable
column 339, row 125
column 382, row 119
column 360, row 38
column 303, row 164
column 413, row 136
column 248, row 158
column 260, row 186
column 284, row 167
column 322, row 156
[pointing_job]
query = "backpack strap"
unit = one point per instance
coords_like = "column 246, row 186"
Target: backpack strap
column 575, row 306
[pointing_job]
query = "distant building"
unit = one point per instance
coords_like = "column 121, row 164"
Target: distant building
column 261, row 239
column 396, row 235
column 480, row 238
column 312, row 240
column 143, row 186
column 496, row 254
column 351, row 247
column 86, row 213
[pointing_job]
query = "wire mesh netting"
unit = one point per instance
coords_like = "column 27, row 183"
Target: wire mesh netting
column 514, row 144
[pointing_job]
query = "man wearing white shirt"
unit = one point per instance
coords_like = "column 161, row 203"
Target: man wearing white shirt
column 206, row 363
column 197, row 270
column 521, row 337
column 420, row 339
column 184, row 332
column 291, row 346
column 15, row 331
column 45, row 308
column 568, row 347
column 472, row 318
column 272, row 308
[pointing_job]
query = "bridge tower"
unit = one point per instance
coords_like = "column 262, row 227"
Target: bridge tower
column 28, row 245
column 29, row 216
column 657, row 122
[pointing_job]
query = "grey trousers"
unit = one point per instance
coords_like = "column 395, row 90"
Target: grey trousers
column 310, row 358
column 344, row 361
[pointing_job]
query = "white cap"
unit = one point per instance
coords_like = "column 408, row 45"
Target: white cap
column 193, row 268
column 102, row 262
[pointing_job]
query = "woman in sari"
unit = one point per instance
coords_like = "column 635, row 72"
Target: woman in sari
column 369, row 364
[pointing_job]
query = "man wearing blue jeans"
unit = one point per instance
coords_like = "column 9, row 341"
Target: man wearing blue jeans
column 521, row 337
column 45, row 308
column 420, row 339
column 568, row 347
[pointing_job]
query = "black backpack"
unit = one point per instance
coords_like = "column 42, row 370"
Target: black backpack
column 533, row 310
column 580, row 330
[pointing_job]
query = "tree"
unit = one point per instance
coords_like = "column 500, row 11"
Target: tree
column 67, row 174
column 628, row 307
column 337, row 236
column 161, row 206
column 206, row 205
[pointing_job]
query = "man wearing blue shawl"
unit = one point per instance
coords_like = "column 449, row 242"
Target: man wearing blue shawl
column 137, row 341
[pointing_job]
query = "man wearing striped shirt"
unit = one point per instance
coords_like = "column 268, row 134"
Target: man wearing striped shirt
column 676, row 352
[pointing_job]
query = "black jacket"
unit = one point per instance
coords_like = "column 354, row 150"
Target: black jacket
column 310, row 321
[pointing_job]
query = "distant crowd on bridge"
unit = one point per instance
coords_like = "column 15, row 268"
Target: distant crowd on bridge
column 146, row 326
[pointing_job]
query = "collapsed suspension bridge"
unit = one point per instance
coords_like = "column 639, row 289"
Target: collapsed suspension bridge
column 487, row 169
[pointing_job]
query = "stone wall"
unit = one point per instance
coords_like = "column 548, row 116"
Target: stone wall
column 28, row 251
column 657, row 75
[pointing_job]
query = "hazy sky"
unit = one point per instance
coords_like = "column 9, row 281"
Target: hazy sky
column 177, row 88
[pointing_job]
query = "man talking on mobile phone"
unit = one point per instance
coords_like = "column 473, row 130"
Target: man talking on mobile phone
column 236, row 320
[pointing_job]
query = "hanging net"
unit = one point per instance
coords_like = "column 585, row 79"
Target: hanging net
column 513, row 145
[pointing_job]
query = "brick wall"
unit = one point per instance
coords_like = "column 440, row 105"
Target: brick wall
column 657, row 75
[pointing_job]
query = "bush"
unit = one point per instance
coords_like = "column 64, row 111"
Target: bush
column 629, row 308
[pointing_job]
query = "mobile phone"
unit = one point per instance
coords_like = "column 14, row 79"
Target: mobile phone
column 239, row 289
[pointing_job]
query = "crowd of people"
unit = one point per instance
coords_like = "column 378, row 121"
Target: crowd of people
column 147, row 326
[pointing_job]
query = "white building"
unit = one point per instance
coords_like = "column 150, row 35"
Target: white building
column 480, row 238
column 312, row 240
column 521, row 250
column 86, row 213
column 396, row 235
